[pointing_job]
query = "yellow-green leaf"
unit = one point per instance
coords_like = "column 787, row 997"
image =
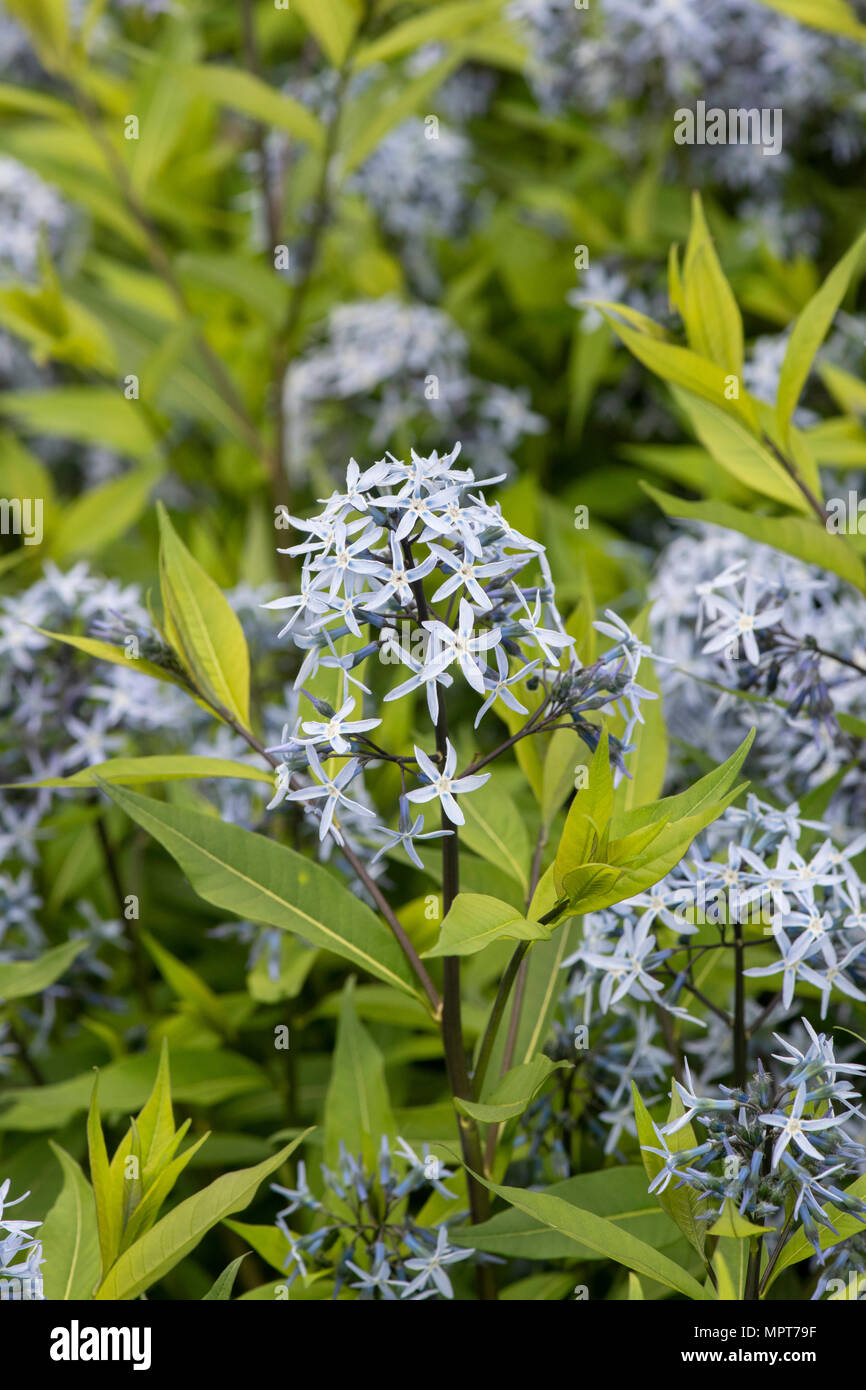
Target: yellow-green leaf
column 202, row 627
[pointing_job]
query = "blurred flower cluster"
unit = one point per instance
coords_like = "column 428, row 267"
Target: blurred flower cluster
column 398, row 368
column 364, row 1229
column 781, row 645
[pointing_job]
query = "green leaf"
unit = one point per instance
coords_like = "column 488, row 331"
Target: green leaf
column 88, row 414
column 257, row 879
column 396, row 105
column 648, row 762
column 143, row 1210
column 809, row 330
column 357, row 1108
column 830, row 16
column 179, row 1232
column 565, row 753
column 171, row 767
column 244, row 92
column 102, row 515
column 202, row 627
column 222, row 1286
column 156, row 1119
column 268, row 1241
column 22, row 978
column 510, row 1097
column 695, row 800
column 106, row 1191
column 588, row 816
column 592, row 886
column 798, row 536
column 332, row 23
column 202, row 1077
column 734, row 448
column 47, row 22
column 681, row 367
column 474, row 920
column 732, row 1224
column 731, row 1265
column 609, row 1240
column 712, row 318
column 438, row 23
column 70, row 1237
column 496, row 830
column 107, row 651
column 189, row 986
column 619, row 1194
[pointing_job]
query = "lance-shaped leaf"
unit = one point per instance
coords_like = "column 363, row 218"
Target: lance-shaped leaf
column 693, row 801
column 24, row 977
column 584, row 1228
column 106, row 1190
column 732, row 1224
column 713, row 321
column 69, row 1235
column 202, row 627
column 796, row 535
column 592, row 887
column 118, row 656
column 176, row 1234
column 619, row 1194
column 474, row 920
column 738, row 451
column 588, row 816
column 221, row 1288
column 357, row 1107
column 639, row 846
column 810, row 329
column 261, row 881
column 129, row 772
column 681, row 367
column 510, row 1097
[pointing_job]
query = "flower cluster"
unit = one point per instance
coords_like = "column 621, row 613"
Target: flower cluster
column 366, row 556
column 804, row 908
column 778, row 1149
column 363, row 1228
column 401, row 366
column 594, row 1096
column 659, row 50
column 741, row 620
column 60, row 714
column 20, row 1251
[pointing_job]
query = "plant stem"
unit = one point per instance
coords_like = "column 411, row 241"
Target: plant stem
column 490, row 1032
column 130, row 926
column 777, row 1250
column 452, row 1024
column 739, row 1010
column 814, row 503
column 20, row 1041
